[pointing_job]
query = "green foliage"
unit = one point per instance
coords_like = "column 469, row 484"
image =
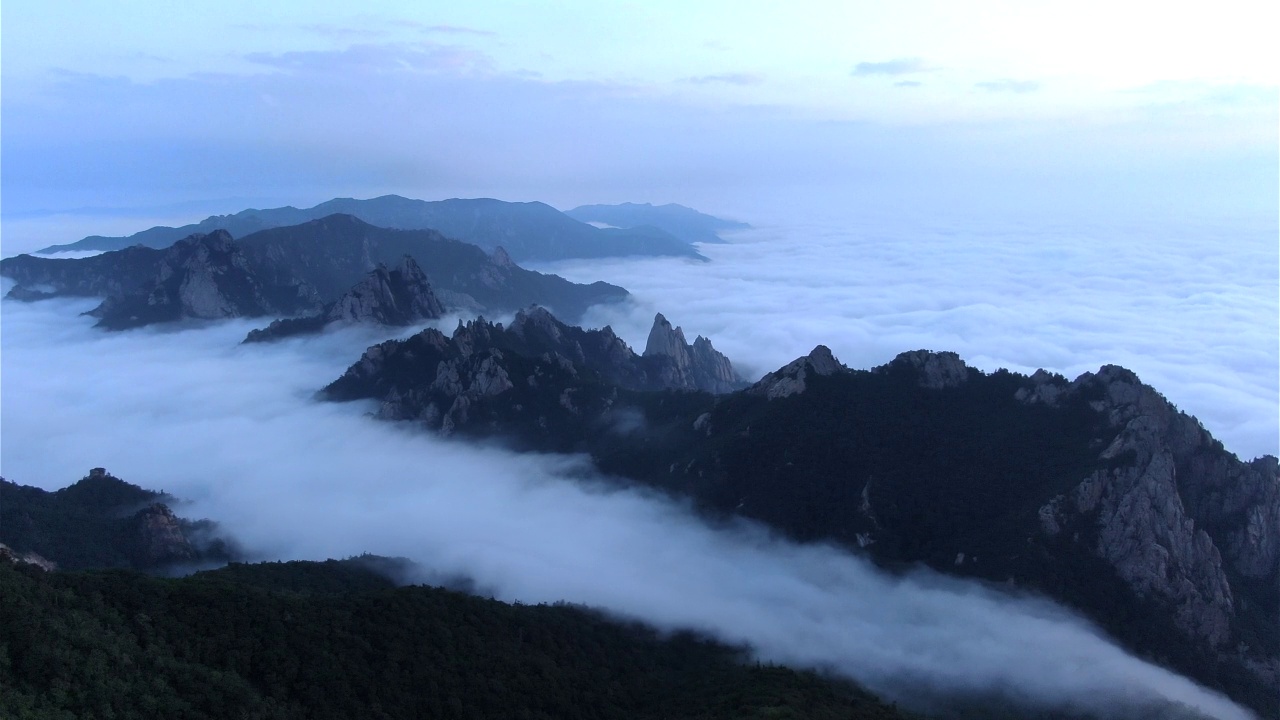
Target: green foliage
column 324, row 640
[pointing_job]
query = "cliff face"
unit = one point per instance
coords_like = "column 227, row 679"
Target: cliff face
column 1178, row 517
column 398, row 296
column 681, row 365
column 394, row 297
column 205, row 277
column 159, row 538
column 537, row 378
column 789, row 379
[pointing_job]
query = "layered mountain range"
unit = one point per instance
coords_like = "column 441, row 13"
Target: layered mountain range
column 528, row 231
column 295, row 270
column 1096, row 491
column 685, row 223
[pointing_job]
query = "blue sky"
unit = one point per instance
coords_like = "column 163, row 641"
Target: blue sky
column 149, row 106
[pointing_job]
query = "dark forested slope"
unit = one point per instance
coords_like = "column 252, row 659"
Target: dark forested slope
column 328, row 640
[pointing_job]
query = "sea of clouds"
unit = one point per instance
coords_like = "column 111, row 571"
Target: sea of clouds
column 1191, row 306
column 236, row 431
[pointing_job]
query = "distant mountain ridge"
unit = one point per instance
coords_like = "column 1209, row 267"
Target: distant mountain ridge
column 528, row 231
column 683, row 222
column 290, row 271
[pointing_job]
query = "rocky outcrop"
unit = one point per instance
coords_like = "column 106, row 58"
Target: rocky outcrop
column 205, row 277
column 790, row 379
column 699, row 366
column 534, row 371
column 1179, row 518
column 159, row 538
column 394, row 297
column 7, row 554
column 936, row 370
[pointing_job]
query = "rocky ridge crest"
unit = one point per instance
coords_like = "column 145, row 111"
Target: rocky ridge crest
column 395, row 297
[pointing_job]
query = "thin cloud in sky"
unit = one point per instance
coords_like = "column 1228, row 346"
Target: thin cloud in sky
column 727, row 79
column 409, row 57
column 908, row 83
column 1009, row 85
column 443, row 29
column 898, row 66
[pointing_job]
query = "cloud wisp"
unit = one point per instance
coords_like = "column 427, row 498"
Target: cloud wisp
column 1009, row 85
column 738, row 78
column 897, row 66
column 235, row 429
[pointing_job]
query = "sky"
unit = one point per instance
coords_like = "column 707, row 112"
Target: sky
column 120, row 107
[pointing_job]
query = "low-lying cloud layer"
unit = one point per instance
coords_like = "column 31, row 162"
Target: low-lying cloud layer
column 235, row 430
column 1191, row 308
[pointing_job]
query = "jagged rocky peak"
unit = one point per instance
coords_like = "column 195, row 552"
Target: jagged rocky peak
column 937, row 370
column 396, row 297
column 160, row 538
column 1175, row 513
column 536, row 319
column 399, row 296
column 699, row 366
column 789, row 379
column 500, row 258
column 665, row 340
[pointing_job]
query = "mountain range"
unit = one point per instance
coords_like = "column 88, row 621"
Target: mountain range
column 289, row 271
column 685, row 223
column 528, row 231
column 1095, row 491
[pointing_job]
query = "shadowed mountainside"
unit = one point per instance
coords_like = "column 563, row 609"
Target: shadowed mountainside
column 289, row 271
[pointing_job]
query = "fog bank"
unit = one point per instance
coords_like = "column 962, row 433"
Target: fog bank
column 1190, row 306
column 234, row 429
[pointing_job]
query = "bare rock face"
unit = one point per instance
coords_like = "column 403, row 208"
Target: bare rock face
column 696, row 367
column 790, row 379
column 535, row 375
column 394, row 297
column 205, row 277
column 159, row 538
column 937, row 369
column 7, row 554
column 1175, row 514
column 399, row 296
